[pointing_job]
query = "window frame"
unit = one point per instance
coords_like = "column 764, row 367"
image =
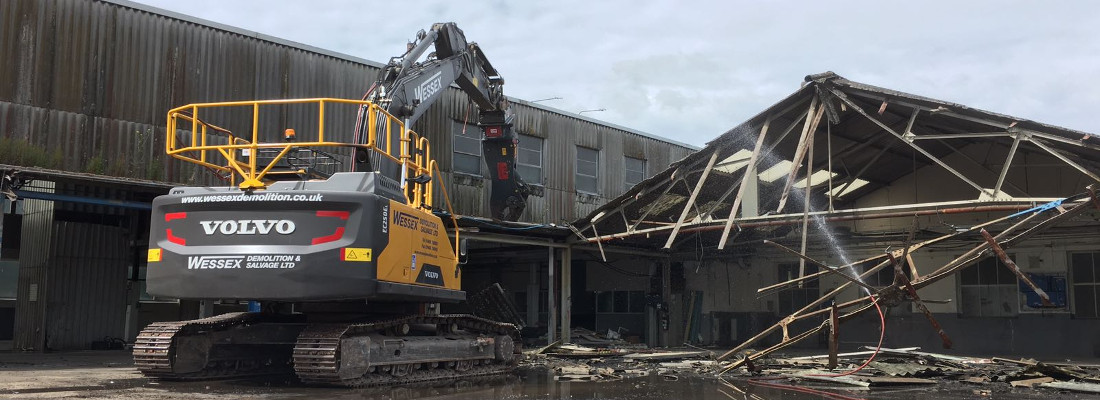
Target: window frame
column 542, row 160
column 811, row 289
column 577, row 172
column 455, row 135
column 627, row 185
column 1001, row 269
column 1074, row 284
column 634, row 301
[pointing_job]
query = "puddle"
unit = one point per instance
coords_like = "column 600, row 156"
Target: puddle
column 538, row 383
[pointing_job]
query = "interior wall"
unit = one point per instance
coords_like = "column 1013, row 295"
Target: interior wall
column 1045, row 176
column 730, row 286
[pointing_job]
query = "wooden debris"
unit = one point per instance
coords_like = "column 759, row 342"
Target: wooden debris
column 577, row 351
column 543, row 349
column 689, row 364
column 1031, row 382
column 1073, row 386
column 980, row 380
column 575, row 370
column 1011, row 361
column 1062, row 373
column 667, row 355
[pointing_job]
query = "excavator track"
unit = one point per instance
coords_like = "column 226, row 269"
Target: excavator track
column 157, row 350
column 317, row 355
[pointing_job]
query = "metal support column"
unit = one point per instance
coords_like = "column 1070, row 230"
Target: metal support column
column 566, row 293
column 533, row 295
column 666, row 301
column 552, row 309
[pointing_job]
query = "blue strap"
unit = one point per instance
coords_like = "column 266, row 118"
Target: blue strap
column 1040, row 208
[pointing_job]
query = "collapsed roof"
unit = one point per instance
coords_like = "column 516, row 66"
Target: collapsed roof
column 845, row 140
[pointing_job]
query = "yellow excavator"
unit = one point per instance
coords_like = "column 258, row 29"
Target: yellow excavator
column 332, row 233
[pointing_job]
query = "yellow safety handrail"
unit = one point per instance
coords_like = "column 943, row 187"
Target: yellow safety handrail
column 217, row 148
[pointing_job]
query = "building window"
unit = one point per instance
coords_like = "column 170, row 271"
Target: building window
column 1085, row 270
column 588, row 166
column 620, row 302
column 795, row 298
column 633, row 172
column 988, row 289
column 467, row 150
column 529, row 159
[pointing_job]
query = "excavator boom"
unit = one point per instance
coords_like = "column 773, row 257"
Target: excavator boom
column 406, row 88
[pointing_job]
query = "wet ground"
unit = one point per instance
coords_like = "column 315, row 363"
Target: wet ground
column 109, row 375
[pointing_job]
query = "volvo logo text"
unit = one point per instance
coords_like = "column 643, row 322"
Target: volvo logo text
column 248, row 226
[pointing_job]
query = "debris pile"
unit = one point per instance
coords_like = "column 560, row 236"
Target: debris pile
column 859, row 370
column 572, row 362
column 910, row 366
column 596, row 357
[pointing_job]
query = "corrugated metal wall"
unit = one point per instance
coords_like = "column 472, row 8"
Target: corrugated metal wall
column 87, row 285
column 86, row 85
column 30, row 306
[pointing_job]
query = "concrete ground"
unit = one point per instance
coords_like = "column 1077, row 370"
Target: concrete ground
column 110, row 375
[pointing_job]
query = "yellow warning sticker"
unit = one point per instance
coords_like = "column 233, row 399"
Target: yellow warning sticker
column 355, row 254
column 154, row 255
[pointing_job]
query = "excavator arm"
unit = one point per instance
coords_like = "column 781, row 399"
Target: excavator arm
column 406, row 88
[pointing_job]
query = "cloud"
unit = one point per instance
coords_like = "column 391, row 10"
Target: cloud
column 690, row 70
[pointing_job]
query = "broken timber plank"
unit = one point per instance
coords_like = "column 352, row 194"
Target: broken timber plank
column 1032, row 382
column 1073, row 386
column 673, row 355
column 744, row 182
column 800, row 153
column 1015, row 269
column 691, row 200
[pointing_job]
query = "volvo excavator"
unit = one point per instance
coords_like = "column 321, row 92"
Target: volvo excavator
column 333, row 234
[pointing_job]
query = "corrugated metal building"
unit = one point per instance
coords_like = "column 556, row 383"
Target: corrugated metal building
column 85, row 87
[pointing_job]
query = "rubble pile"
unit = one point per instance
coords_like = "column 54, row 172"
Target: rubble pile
column 910, row 366
column 888, row 368
column 572, row 362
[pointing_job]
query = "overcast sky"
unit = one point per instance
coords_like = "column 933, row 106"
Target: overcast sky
column 692, row 70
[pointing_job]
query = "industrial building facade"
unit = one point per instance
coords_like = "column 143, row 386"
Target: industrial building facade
column 82, row 103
